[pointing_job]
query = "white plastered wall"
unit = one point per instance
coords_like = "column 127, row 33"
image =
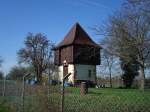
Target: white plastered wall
column 60, row 72
column 70, row 70
column 82, row 72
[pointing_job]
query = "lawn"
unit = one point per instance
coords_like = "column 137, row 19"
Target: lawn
column 97, row 100
column 108, row 100
column 8, row 103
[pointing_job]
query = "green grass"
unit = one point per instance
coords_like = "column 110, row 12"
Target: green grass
column 8, row 103
column 108, row 100
column 3, row 109
column 97, row 100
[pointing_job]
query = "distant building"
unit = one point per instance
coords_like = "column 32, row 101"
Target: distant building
column 78, row 54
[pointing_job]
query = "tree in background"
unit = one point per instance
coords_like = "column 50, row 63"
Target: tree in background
column 1, row 60
column 142, row 5
column 108, row 63
column 17, row 72
column 37, row 52
column 130, row 72
column 128, row 30
column 1, row 75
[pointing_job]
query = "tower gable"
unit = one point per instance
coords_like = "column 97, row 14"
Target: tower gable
column 77, row 48
column 76, row 36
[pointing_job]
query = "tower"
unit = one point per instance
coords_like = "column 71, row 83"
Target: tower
column 78, row 54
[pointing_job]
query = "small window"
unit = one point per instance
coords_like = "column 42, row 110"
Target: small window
column 89, row 74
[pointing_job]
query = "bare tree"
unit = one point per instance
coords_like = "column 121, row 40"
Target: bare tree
column 1, row 75
column 17, row 72
column 1, row 60
column 142, row 5
column 108, row 61
column 128, row 31
column 37, row 52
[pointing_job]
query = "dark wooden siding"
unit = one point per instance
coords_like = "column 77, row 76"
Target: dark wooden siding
column 65, row 53
column 57, row 57
column 84, row 54
column 78, row 54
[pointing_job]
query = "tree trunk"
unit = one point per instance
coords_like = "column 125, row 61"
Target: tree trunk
column 39, row 77
column 142, row 78
column 110, row 79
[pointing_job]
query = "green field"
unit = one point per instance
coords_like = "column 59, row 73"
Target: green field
column 109, row 100
column 97, row 100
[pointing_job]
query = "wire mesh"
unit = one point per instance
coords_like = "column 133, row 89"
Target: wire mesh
column 37, row 98
column 44, row 98
column 107, row 100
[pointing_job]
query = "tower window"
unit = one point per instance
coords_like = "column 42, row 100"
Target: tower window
column 89, row 73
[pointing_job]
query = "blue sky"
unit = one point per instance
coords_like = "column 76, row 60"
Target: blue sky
column 54, row 18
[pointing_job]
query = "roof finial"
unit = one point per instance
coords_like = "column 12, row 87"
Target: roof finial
column 77, row 23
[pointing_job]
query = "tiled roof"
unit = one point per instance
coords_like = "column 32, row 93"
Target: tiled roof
column 77, row 36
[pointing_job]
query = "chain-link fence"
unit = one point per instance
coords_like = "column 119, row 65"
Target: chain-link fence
column 107, row 100
column 18, row 97
column 43, row 98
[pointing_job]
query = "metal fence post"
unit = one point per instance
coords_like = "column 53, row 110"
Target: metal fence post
column 62, row 99
column 49, row 73
column 62, row 96
column 4, row 87
column 23, row 89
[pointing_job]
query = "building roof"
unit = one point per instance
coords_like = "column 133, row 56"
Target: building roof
column 76, row 36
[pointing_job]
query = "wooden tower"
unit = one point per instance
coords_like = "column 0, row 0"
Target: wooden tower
column 79, row 54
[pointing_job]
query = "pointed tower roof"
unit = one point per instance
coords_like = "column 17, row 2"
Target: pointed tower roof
column 76, row 36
